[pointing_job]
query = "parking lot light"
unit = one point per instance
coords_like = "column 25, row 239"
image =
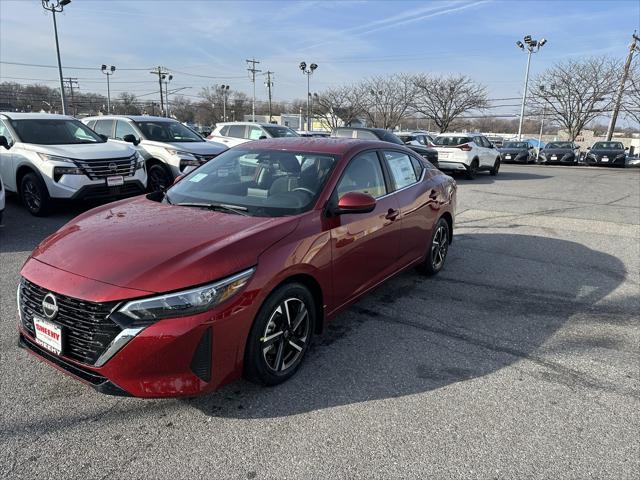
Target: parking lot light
column 57, row 7
column 108, row 71
column 533, row 46
column 308, row 72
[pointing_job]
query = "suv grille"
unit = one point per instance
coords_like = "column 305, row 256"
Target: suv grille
column 86, row 330
column 97, row 169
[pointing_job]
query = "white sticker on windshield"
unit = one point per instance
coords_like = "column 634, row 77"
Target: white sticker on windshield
column 197, row 177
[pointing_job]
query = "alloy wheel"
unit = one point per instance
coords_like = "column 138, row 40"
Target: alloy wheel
column 285, row 335
column 439, row 247
column 157, row 179
column 31, row 195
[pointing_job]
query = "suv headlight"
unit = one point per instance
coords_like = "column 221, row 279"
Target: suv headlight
column 139, row 161
column 45, row 157
column 180, row 153
column 187, row 302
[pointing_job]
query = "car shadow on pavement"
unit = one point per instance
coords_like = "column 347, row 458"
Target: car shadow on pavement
column 484, row 178
column 498, row 300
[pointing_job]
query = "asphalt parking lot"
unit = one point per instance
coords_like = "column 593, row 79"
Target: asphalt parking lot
column 520, row 360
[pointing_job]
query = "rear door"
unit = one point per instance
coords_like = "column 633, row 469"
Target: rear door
column 483, row 154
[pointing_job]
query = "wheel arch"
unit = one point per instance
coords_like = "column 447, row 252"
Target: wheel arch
column 449, row 219
column 316, row 291
column 22, row 171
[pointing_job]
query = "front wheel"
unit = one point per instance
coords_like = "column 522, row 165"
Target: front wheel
column 496, row 168
column 159, row 179
column 438, row 249
column 280, row 335
column 34, row 195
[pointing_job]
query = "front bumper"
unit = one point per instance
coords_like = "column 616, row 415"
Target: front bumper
column 515, row 158
column 102, row 191
column 559, row 160
column 609, row 162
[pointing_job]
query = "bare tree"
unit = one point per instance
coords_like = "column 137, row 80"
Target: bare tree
column 337, row 106
column 444, row 99
column 575, row 92
column 631, row 101
column 385, row 101
column 182, row 109
column 126, row 104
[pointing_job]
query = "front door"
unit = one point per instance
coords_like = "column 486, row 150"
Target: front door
column 7, row 160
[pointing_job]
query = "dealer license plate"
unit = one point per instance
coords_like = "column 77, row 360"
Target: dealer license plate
column 443, row 154
column 48, row 335
column 507, row 157
column 553, row 157
column 605, row 159
column 115, row 181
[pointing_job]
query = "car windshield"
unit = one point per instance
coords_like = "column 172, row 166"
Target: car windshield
column 277, row 131
column 167, row 131
column 446, row 141
column 54, row 132
column 265, row 183
column 516, row 145
column 608, row 146
column 559, row 145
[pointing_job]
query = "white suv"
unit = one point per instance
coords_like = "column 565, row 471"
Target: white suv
column 43, row 157
column 2, row 193
column 169, row 148
column 466, row 152
column 236, row 133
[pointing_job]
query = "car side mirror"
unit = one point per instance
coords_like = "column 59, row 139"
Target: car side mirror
column 103, row 137
column 588, row 148
column 130, row 138
column 4, row 142
column 530, row 147
column 262, row 137
column 626, row 149
column 355, row 202
column 177, row 179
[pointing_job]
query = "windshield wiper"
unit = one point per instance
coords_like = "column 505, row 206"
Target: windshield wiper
column 237, row 209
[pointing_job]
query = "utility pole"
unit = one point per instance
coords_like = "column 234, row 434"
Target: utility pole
column 633, row 47
column 252, row 74
column 269, row 85
column 70, row 83
column 160, row 72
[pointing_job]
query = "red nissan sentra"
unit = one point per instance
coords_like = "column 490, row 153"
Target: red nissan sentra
column 234, row 268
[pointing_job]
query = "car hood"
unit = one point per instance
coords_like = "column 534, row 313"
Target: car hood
column 85, row 151
column 200, row 148
column 607, row 152
column 145, row 245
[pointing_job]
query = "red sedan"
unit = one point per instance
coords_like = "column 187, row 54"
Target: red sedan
column 234, row 268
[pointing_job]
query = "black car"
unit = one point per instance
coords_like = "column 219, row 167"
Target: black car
column 607, row 154
column 516, row 152
column 427, row 153
column 560, row 153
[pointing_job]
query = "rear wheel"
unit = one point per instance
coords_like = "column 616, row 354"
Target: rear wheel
column 159, row 179
column 280, row 335
column 34, row 195
column 472, row 170
column 496, row 168
column 438, row 249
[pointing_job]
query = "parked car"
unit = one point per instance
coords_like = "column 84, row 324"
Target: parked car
column 468, row 153
column 45, row 157
column 516, row 152
column 607, row 154
column 416, row 138
column 237, row 133
column 561, row 153
column 257, row 261
column 2, row 197
column 497, row 141
column 427, row 153
column 168, row 147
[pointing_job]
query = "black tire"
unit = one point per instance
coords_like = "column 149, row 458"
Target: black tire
column 496, row 168
column 286, row 343
column 438, row 248
column 158, row 178
column 472, row 170
column 34, row 195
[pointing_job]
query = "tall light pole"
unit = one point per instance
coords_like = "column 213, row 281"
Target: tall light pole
column 308, row 72
column 225, row 91
column 108, row 71
column 532, row 46
column 57, row 7
column 544, row 113
column 166, row 79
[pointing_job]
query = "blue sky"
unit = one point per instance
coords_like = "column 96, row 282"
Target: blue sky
column 349, row 40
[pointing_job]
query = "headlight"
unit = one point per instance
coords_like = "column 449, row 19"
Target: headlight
column 180, row 153
column 45, row 157
column 139, row 161
column 58, row 172
column 186, row 302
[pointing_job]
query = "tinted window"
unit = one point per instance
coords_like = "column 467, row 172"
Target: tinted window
column 608, row 145
column 124, row 128
column 278, row 132
column 516, row 145
column 363, row 174
column 445, row 141
column 167, row 131
column 236, row 131
column 54, row 132
column 267, row 183
column 224, row 130
column 104, row 127
column 401, row 169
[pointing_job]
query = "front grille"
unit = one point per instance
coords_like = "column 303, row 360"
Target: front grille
column 97, row 169
column 99, row 192
column 86, row 330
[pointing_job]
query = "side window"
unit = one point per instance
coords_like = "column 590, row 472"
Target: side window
column 478, row 141
column 418, row 166
column 4, row 131
column 236, row 131
column 255, row 133
column 365, row 135
column 486, row 142
column 91, row 124
column 363, row 174
column 421, row 139
column 104, row 127
column 344, row 133
column 401, row 167
column 224, row 131
column 123, row 128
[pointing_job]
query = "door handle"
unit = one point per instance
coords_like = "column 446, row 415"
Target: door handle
column 392, row 214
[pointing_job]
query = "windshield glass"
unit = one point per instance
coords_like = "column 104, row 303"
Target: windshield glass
column 167, row 131
column 608, row 146
column 265, row 183
column 559, row 145
column 54, row 132
column 277, row 132
column 516, row 145
column 446, row 141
